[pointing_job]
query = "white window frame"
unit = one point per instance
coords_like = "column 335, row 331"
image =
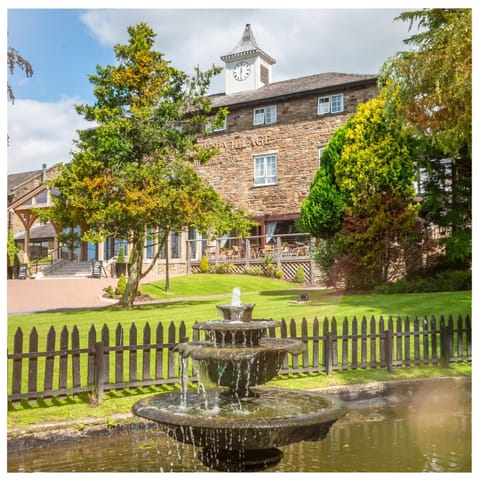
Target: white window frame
column 330, row 104
column 265, row 169
column 320, row 151
column 221, row 128
column 265, row 115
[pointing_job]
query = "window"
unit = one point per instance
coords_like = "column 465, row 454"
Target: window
column 320, row 151
column 265, row 115
column 211, row 127
column 175, row 244
column 150, row 243
column 192, row 235
column 265, row 169
column 264, row 75
column 332, row 104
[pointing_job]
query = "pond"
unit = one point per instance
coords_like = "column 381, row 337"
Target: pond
column 430, row 433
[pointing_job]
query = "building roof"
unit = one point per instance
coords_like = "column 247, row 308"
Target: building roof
column 16, row 179
column 37, row 232
column 247, row 46
column 294, row 87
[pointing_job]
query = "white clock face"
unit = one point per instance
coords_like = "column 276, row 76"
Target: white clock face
column 241, row 71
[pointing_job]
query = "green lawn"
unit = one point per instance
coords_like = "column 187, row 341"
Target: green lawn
column 273, row 298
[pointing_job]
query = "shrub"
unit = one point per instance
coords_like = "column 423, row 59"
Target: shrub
column 121, row 255
column 446, row 281
column 121, row 285
column 258, row 271
column 299, row 275
column 223, row 268
column 204, row 265
column 109, row 291
column 279, row 274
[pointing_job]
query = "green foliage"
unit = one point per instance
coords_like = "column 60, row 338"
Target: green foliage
column 376, row 156
column 321, row 212
column 435, row 77
column 453, row 280
column 362, row 199
column 433, row 81
column 134, row 170
column 204, row 265
column 121, row 285
column 12, row 249
column 109, row 291
column 121, row 255
column 223, row 268
column 256, row 271
column 299, row 275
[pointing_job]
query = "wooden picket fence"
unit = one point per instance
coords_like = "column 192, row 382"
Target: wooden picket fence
column 107, row 362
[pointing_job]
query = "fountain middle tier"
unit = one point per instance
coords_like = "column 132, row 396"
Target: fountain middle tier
column 237, row 355
column 240, row 367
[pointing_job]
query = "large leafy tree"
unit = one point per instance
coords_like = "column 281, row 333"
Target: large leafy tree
column 375, row 172
column 434, row 78
column 132, row 177
column 371, row 169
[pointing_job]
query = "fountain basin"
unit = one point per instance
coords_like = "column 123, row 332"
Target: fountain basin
column 242, row 312
column 241, row 367
column 269, row 419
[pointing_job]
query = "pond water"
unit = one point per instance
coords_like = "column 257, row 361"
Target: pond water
column 430, row 434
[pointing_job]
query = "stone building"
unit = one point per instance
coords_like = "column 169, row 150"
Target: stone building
column 269, row 149
column 274, row 132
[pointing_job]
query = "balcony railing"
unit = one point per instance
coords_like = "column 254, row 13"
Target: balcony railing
column 251, row 249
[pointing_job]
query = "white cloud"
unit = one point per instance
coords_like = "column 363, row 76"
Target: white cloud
column 303, row 41
column 41, row 133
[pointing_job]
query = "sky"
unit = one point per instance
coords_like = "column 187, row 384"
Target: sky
column 64, row 46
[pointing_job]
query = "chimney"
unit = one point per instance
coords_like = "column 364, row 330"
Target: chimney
column 44, row 172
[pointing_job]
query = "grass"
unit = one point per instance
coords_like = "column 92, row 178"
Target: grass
column 116, row 406
column 273, row 299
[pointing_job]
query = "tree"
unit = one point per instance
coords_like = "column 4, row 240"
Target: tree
column 15, row 59
column 375, row 172
column 322, row 211
column 435, row 87
column 133, row 177
column 371, row 168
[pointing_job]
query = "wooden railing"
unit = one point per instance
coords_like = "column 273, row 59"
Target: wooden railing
column 107, row 362
column 285, row 252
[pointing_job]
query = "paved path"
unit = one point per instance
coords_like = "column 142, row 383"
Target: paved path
column 28, row 296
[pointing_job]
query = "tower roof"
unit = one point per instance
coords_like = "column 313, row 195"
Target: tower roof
column 246, row 47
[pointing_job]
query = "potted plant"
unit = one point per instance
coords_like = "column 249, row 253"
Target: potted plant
column 120, row 264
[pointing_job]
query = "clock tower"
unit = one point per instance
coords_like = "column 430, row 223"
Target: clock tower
column 247, row 67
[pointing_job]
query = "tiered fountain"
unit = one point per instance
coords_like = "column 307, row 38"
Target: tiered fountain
column 239, row 427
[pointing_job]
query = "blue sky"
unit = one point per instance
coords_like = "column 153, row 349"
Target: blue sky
column 64, row 47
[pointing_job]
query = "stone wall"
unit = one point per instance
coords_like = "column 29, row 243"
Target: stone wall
column 296, row 137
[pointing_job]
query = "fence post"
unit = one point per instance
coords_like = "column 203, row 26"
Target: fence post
column 328, row 353
column 99, row 371
column 445, row 338
column 389, row 350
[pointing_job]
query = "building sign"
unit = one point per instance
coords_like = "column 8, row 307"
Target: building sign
column 243, row 142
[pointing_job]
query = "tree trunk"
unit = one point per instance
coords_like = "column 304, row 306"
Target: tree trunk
column 135, row 275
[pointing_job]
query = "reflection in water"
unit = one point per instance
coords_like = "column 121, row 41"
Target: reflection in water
column 432, row 435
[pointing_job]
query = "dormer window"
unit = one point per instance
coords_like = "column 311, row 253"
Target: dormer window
column 265, row 115
column 331, row 104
